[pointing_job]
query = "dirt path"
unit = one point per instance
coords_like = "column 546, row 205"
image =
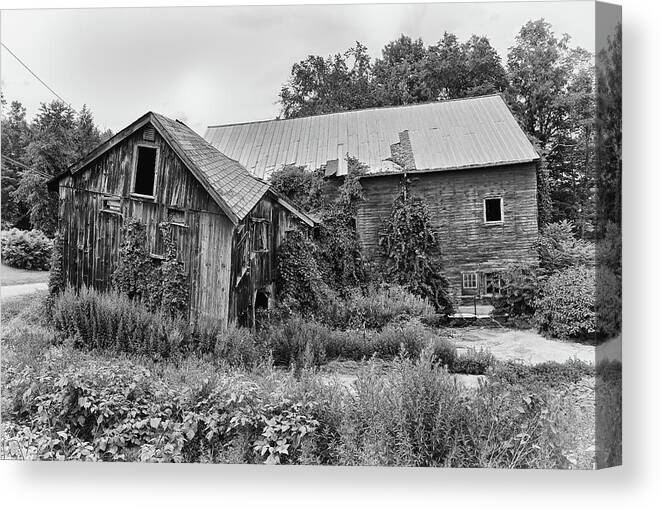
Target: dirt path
column 521, row 345
column 16, row 290
column 9, row 276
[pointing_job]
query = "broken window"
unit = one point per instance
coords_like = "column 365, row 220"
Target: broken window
column 493, row 210
column 492, row 284
column 177, row 217
column 145, row 171
column 111, row 204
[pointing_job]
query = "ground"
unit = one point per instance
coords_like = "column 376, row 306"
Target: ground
column 520, row 345
column 10, row 276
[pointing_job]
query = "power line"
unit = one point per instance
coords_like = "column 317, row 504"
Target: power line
column 34, row 74
column 13, row 161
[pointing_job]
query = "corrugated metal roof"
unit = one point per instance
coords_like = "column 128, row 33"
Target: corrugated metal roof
column 478, row 131
column 227, row 177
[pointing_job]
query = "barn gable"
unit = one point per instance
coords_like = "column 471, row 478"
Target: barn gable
column 230, row 185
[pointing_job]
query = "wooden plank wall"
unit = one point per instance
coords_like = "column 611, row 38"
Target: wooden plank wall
column 92, row 237
column 456, row 205
column 262, row 271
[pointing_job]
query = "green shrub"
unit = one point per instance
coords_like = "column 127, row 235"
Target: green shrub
column 300, row 186
column 473, row 362
column 29, row 250
column 302, row 343
column 608, row 303
column 113, row 321
column 518, row 292
column 239, row 347
column 559, row 249
column 566, row 308
column 65, row 404
column 417, row 416
column 547, row 374
column 375, row 308
column 444, row 352
column 298, row 342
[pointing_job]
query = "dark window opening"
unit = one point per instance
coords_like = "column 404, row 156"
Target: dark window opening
column 492, row 284
column 261, row 309
column 145, row 171
column 493, row 210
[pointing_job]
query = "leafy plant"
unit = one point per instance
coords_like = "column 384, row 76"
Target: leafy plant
column 413, row 253
column 31, row 250
column 473, row 362
column 558, row 248
column 158, row 285
column 518, row 292
column 566, row 308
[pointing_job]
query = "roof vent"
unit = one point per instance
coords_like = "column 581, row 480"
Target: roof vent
column 149, row 134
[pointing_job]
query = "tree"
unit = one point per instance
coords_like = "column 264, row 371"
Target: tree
column 486, row 74
column 551, row 92
column 15, row 137
column 402, row 72
column 609, row 132
column 57, row 138
column 320, row 85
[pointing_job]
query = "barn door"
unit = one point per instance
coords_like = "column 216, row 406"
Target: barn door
column 107, row 248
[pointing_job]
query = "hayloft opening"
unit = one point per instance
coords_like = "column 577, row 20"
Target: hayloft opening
column 493, row 210
column 145, row 171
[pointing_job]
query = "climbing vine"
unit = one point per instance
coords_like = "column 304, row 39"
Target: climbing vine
column 339, row 254
column 159, row 284
column 337, row 251
column 412, row 250
column 299, row 281
column 56, row 278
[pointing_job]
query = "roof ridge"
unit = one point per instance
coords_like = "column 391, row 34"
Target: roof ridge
column 374, row 108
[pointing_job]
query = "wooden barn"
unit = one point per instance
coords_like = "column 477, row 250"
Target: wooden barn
column 226, row 223
column 468, row 158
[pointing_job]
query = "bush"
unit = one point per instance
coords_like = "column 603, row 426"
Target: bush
column 29, row 250
column 302, row 343
column 559, row 249
column 418, row 416
column 375, row 308
column 115, row 322
column 608, row 303
column 546, row 374
column 566, row 309
column 473, row 362
column 518, row 292
column 65, row 404
column 239, row 347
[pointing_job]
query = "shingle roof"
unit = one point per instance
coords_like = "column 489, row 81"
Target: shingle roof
column 227, row 177
column 444, row 135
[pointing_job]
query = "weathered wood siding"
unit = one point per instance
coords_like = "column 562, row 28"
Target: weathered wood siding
column 456, row 205
column 92, row 236
column 256, row 242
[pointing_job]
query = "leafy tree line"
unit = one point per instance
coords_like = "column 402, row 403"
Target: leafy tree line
column 548, row 84
column 33, row 152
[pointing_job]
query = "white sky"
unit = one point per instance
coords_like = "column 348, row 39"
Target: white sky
column 217, row 65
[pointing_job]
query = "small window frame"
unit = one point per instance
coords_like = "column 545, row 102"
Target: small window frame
column 134, row 173
column 472, row 278
column 484, row 210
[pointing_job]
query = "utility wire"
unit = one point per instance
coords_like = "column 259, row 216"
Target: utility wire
column 34, row 74
column 13, row 161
